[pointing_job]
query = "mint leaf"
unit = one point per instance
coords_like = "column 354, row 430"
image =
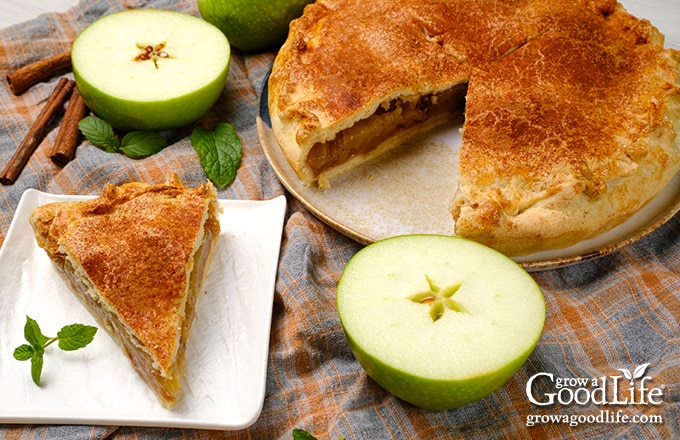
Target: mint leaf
column 36, row 366
column 219, row 151
column 135, row 144
column 24, row 352
column 99, row 133
column 33, row 334
column 301, row 434
column 75, row 336
column 70, row 337
column 139, row 144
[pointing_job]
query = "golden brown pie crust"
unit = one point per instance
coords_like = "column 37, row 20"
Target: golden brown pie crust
column 570, row 118
column 555, row 152
column 137, row 256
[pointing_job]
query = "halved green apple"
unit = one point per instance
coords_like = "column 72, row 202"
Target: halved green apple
column 438, row 321
column 150, row 69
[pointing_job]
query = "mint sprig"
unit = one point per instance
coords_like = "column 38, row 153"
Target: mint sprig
column 301, row 434
column 219, row 151
column 135, row 144
column 69, row 338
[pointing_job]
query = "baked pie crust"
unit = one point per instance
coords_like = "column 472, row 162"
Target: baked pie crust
column 137, row 257
column 571, row 108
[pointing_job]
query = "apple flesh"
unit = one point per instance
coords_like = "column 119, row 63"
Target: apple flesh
column 438, row 321
column 148, row 69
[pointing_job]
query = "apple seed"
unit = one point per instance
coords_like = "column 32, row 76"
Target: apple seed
column 149, row 52
column 438, row 299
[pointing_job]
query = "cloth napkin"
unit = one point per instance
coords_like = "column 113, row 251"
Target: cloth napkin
column 619, row 312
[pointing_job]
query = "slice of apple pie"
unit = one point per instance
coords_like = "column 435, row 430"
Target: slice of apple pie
column 137, row 257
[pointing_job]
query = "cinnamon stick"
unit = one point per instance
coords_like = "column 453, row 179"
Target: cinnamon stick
column 69, row 135
column 37, row 131
column 31, row 74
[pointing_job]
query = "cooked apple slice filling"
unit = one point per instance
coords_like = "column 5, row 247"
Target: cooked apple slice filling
column 390, row 120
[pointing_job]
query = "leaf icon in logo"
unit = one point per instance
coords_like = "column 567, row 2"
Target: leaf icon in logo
column 640, row 371
column 626, row 374
column 637, row 373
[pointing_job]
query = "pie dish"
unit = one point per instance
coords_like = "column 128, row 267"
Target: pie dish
column 569, row 114
column 391, row 196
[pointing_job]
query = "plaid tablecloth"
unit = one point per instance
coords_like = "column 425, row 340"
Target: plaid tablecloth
column 604, row 316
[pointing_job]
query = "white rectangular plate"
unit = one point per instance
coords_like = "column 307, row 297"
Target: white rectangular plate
column 226, row 354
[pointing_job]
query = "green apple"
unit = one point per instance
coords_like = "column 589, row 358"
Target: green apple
column 438, row 321
column 252, row 25
column 149, row 69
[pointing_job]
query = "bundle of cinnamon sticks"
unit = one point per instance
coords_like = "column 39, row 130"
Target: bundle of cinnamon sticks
column 68, row 136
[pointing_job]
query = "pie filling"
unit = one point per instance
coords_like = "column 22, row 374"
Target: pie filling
column 390, row 119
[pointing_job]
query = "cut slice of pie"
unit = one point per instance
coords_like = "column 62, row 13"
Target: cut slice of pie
column 137, row 257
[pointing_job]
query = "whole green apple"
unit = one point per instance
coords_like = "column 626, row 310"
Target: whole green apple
column 148, row 69
column 252, row 25
column 438, row 321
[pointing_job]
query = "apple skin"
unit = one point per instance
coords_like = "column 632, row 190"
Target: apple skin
column 131, row 115
column 165, row 110
column 427, row 370
column 252, row 25
column 435, row 394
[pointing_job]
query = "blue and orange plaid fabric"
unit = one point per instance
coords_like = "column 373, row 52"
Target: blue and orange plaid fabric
column 617, row 312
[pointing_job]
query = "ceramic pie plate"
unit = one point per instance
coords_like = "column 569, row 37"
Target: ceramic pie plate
column 392, row 196
column 409, row 190
column 227, row 350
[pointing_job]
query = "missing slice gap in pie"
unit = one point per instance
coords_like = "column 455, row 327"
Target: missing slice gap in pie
column 137, row 257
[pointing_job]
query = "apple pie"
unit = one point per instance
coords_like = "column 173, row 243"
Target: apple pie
column 571, row 108
column 137, row 257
